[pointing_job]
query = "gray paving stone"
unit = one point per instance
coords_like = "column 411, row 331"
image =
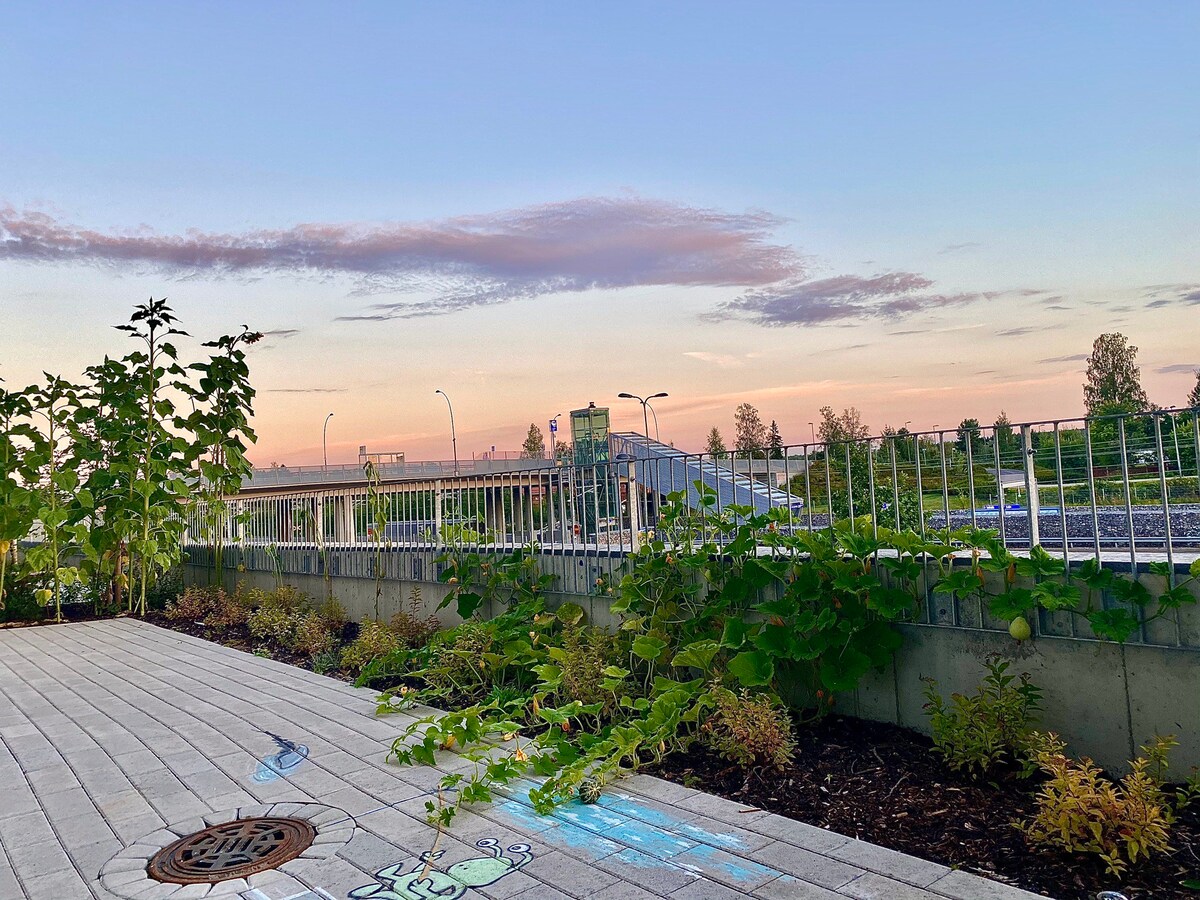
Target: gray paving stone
column 655, row 875
column 89, row 858
column 873, row 886
column 896, row 865
column 55, row 886
column 807, row 865
column 785, row 887
column 706, row 890
column 544, row 892
column 965, row 886
column 122, row 728
column 819, row 840
column 565, row 873
column 623, row 890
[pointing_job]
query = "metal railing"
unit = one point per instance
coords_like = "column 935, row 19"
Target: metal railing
column 288, row 476
column 1117, row 488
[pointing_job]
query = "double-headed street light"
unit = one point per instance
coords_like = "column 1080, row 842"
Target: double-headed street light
column 645, row 401
column 453, row 436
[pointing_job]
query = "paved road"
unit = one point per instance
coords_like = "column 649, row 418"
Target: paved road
column 117, row 738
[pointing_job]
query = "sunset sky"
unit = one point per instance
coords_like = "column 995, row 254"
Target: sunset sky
column 925, row 210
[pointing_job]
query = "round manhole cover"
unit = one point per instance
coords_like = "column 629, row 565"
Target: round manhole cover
column 231, row 850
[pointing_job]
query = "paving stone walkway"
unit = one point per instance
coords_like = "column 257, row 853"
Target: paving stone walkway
column 117, row 737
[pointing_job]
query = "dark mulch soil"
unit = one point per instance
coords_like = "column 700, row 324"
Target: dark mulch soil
column 885, row 784
column 239, row 638
column 72, row 612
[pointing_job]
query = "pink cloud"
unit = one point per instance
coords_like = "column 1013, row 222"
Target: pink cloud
column 466, row 261
column 797, row 302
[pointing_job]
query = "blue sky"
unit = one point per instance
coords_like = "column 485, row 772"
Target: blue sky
column 905, row 207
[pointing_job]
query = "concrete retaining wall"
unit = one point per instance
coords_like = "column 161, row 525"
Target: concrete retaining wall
column 1105, row 699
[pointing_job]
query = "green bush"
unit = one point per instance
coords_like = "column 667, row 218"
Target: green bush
column 411, row 625
column 275, row 624
column 457, row 660
column 753, row 731
column 312, row 635
column 585, row 653
column 333, row 614
column 1080, row 810
column 193, row 605
column 375, row 639
column 227, row 612
column 989, row 730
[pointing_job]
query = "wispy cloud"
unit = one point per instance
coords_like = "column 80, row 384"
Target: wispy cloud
column 282, row 332
column 304, row 391
column 722, row 360
column 1051, row 360
column 462, row 262
column 1019, row 330
column 891, row 295
column 1160, row 295
column 959, row 248
column 1177, row 368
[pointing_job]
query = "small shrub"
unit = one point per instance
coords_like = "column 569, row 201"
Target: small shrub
column 374, row 639
column 165, row 588
column 333, row 614
column 272, row 623
column 227, row 612
column 193, row 605
column 285, row 597
column 327, row 662
column 586, row 654
column 411, row 625
column 979, row 733
column 750, row 730
column 312, row 635
column 1081, row 811
column 454, row 665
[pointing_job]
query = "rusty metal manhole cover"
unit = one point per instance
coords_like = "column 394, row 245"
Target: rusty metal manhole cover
column 232, row 850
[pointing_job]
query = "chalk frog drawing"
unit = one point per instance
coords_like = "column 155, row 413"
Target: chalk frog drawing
column 448, row 885
column 285, row 760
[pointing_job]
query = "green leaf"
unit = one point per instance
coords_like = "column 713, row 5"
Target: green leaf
column 777, row 640
column 1115, row 624
column 1011, row 604
column 752, row 668
column 842, row 671
column 735, row 633
column 468, row 603
column 1162, row 569
column 698, row 655
column 570, row 613
column 649, row 648
column 1054, row 595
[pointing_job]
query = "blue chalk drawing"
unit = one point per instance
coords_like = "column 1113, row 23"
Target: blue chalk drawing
column 424, row 883
column 281, row 763
column 659, row 839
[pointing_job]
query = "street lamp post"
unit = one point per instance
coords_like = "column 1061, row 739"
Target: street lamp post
column 553, row 437
column 324, row 442
column 654, row 416
column 813, row 428
column 645, row 401
column 453, row 436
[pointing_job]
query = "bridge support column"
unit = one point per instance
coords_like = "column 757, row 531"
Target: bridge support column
column 520, row 528
column 496, row 521
column 343, row 520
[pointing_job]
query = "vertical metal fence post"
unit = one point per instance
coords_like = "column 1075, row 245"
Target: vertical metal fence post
column 1031, row 486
